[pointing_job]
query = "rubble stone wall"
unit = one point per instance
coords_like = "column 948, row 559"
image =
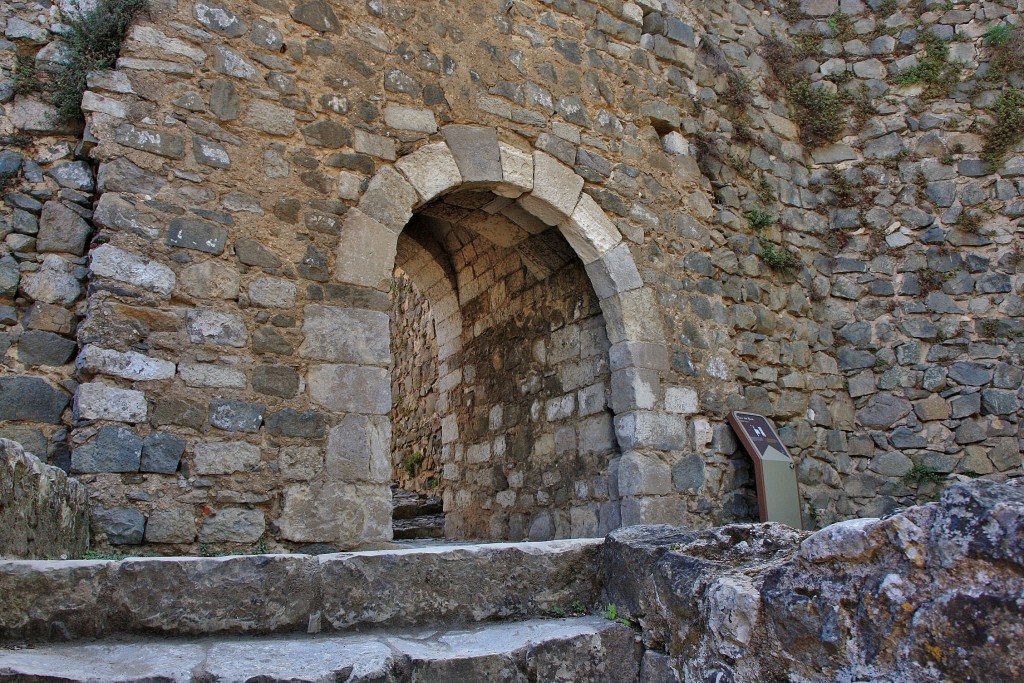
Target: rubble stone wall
column 228, row 289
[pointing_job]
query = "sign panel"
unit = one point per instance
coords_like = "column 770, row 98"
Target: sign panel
column 778, row 497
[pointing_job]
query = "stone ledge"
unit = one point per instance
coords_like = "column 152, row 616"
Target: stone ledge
column 64, row 600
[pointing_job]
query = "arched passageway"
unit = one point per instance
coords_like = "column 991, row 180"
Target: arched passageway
column 548, row 351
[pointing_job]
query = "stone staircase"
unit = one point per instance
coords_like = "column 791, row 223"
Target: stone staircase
column 457, row 613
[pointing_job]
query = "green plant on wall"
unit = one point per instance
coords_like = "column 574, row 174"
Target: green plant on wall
column 777, row 257
column 934, row 71
column 1007, row 128
column 1006, row 45
column 817, row 110
column 93, row 40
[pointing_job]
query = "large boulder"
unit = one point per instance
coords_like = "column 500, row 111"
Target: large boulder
column 930, row 593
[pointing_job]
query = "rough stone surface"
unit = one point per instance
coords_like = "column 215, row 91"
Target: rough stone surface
column 44, row 513
column 865, row 599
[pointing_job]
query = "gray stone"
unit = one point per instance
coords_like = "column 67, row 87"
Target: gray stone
column 36, row 347
column 316, row 14
column 45, row 513
column 350, row 388
column 19, row 29
column 123, row 526
column 970, row 374
column 76, row 175
column 233, row 525
column 688, row 474
column 252, row 253
column 225, row 457
column 210, row 153
column 54, row 283
column 97, row 401
column 10, row 276
column 359, row 450
column 126, row 364
column 999, row 402
column 62, row 230
column 216, row 327
column 902, row 437
column 161, row 453
column 270, row 118
column 328, row 134
column 218, row 19
column 164, row 144
column 236, row 416
column 194, row 233
column 276, row 380
column 210, row 280
column 476, row 152
column 175, row 525
column 116, row 449
column 891, row 464
column 231, row 63
column 291, row 422
column 117, row 264
column 965, row 405
column 345, row 335
column 885, row 147
column 272, row 292
column 883, row 410
column 224, row 101
column 31, row 399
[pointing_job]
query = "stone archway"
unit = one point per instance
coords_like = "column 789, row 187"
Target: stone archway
column 541, row 193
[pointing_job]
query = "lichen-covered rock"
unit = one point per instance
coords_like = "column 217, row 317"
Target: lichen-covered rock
column 44, row 513
column 934, row 592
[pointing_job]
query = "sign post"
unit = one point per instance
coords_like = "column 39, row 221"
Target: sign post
column 778, row 497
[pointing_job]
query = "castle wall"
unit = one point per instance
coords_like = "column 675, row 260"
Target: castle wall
column 233, row 141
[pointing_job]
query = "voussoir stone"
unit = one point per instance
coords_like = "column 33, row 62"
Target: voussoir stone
column 431, row 170
column 476, row 152
column 556, row 190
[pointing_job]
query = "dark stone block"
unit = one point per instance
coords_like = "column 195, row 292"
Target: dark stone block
column 36, row 347
column 116, row 449
column 31, row 399
column 161, row 453
column 236, row 416
column 288, row 422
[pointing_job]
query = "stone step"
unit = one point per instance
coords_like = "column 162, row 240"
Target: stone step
column 423, row 526
column 260, row 594
column 582, row 650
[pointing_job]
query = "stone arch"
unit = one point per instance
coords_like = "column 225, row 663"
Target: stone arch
column 541, row 192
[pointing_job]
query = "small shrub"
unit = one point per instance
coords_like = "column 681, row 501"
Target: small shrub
column 93, row 41
column 26, row 80
column 759, row 220
column 969, row 221
column 989, row 328
column 841, row 26
column 930, row 280
column 999, row 35
column 611, row 612
column 411, row 463
column 846, row 196
column 778, row 258
column 935, row 72
column 1007, row 127
column 742, row 133
column 921, row 474
column 819, row 112
column 765, row 191
column 740, row 93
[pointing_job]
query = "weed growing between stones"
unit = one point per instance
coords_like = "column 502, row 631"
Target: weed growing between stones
column 841, row 26
column 93, row 41
column 1007, row 127
column 776, row 257
column 740, row 93
column 25, row 78
column 969, row 221
column 989, row 328
column 817, row 110
column 935, row 72
column 759, row 220
column 1007, row 44
column 886, row 8
column 920, row 474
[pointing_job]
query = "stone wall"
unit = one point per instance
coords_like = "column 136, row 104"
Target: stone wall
column 415, row 424
column 250, row 209
column 44, row 513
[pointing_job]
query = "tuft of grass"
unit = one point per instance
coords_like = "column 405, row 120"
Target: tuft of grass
column 999, row 35
column 887, row 8
column 411, row 463
column 989, row 328
column 93, row 41
column 765, row 191
column 1006, row 43
column 818, row 112
column 759, row 220
column 841, row 26
column 1007, row 127
column 935, row 72
column 846, row 196
column 777, row 257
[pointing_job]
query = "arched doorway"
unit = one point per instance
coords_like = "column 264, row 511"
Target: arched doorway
column 471, row 188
